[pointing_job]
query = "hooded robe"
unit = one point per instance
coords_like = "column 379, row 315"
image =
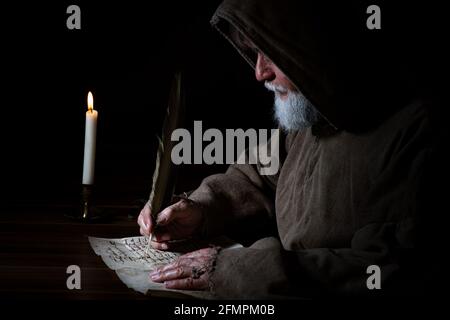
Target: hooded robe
column 351, row 189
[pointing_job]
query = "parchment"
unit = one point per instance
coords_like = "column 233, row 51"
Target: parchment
column 130, row 253
column 127, row 256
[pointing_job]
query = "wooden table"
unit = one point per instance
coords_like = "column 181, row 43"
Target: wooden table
column 38, row 243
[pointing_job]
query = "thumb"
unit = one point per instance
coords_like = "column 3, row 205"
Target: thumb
column 166, row 216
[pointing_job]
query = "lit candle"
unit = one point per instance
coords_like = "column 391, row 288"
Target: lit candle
column 89, row 142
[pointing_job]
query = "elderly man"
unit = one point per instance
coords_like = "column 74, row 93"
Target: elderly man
column 347, row 200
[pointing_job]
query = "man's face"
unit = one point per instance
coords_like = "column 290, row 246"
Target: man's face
column 293, row 111
column 267, row 71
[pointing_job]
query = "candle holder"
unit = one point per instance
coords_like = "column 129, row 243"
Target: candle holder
column 87, row 211
column 86, row 201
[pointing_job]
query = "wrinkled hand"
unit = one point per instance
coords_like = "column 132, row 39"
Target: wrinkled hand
column 189, row 272
column 181, row 220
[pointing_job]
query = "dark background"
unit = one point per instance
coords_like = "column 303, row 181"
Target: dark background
column 126, row 54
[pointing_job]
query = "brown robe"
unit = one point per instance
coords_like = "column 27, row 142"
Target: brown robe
column 346, row 197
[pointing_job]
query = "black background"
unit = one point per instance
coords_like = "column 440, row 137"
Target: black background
column 125, row 53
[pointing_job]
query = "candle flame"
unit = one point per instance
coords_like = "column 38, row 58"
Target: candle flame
column 90, row 102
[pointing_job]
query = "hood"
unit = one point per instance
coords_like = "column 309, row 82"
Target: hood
column 354, row 76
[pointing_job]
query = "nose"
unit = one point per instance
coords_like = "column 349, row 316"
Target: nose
column 263, row 69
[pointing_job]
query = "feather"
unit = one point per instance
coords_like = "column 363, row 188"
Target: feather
column 164, row 176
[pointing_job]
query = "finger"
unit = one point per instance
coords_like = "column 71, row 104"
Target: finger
column 144, row 219
column 187, row 284
column 179, row 272
column 185, row 264
column 143, row 232
column 177, row 263
column 166, row 216
column 147, row 218
column 170, row 213
column 162, row 236
column 140, row 220
column 160, row 245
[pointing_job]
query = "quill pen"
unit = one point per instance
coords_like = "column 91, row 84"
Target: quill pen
column 163, row 182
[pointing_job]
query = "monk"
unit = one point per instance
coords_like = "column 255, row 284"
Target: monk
column 348, row 201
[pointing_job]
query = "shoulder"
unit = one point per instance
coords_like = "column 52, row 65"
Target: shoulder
column 410, row 124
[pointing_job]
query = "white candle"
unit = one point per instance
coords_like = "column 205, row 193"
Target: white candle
column 89, row 142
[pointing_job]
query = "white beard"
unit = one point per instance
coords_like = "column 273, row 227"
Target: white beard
column 293, row 113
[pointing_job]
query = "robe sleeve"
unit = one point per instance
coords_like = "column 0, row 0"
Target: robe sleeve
column 267, row 271
column 241, row 202
column 392, row 235
column 235, row 200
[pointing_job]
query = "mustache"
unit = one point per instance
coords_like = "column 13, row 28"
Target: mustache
column 275, row 87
